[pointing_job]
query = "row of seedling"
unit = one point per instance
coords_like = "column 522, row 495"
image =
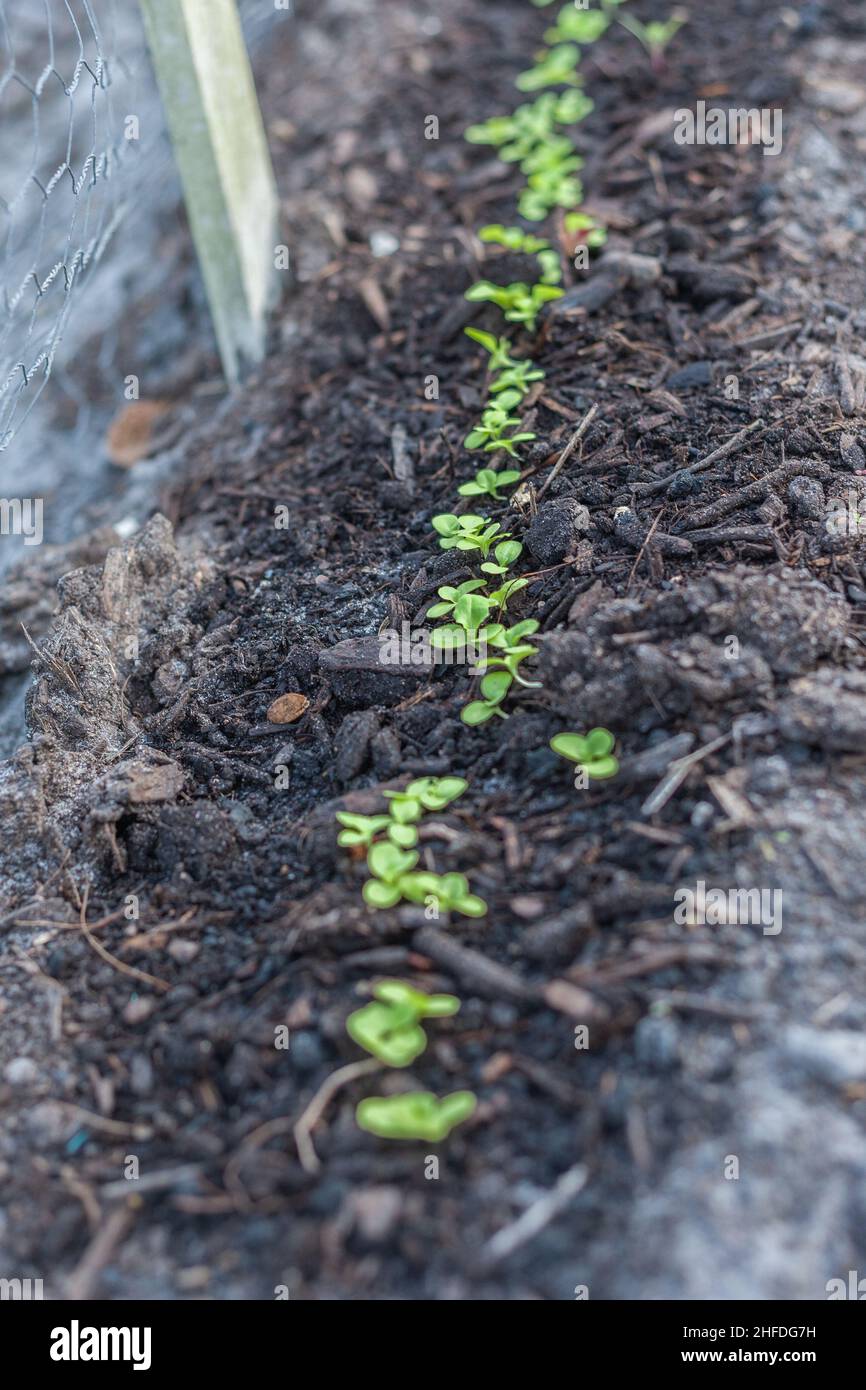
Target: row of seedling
column 390, row 1027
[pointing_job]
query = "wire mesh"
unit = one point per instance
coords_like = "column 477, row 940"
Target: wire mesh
column 67, row 129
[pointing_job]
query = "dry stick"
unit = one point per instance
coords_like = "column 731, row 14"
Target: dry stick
column 647, row 538
column 310, row 1160
column 535, row 1218
column 756, row 491
column 83, row 1278
column 570, row 447
column 647, row 489
column 105, row 955
column 676, row 774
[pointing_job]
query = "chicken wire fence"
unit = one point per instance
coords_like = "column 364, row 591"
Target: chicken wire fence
column 68, row 78
column 73, row 76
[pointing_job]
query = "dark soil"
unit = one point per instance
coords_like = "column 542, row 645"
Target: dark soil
column 707, row 614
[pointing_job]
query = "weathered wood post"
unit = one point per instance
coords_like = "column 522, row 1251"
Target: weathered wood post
column 212, row 109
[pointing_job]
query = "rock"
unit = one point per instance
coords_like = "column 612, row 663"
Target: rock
column 141, row 1074
column 306, row 1052
column 352, row 743
column 559, row 938
column 21, row 1071
column 386, row 753
column 638, row 270
column 183, row 951
column 806, row 497
column 688, row 378
column 851, row 453
column 826, row 710
column 705, row 283
column 557, row 529
column 144, row 784
column 769, row 777
column 656, row 1042
column 138, row 1010
column 685, row 485
column 837, row 1056
column 375, row 1212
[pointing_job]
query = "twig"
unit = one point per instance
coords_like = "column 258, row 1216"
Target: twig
column 310, row 1160
column 662, row 484
column 569, row 448
column 83, row 1278
column 676, row 775
column 106, row 955
column 536, row 1217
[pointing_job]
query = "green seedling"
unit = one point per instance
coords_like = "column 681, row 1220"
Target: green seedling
column 494, row 688
column 520, row 303
column 551, row 270
column 416, row 1115
column 577, row 26
column 513, row 238
column 585, row 230
column 407, row 807
column 451, row 892
column 515, row 135
column 487, row 483
column 532, row 125
column 506, row 554
column 389, row 1028
column 550, row 188
column 655, row 36
column 468, row 532
column 556, row 154
column 425, row 794
column 388, row 864
column 572, row 107
column 450, row 595
column 469, row 611
column 510, row 649
column 499, row 597
column 360, row 830
column 501, row 671
column 556, row 68
column 592, row 752
column 519, row 376
column 490, row 434
column 497, row 347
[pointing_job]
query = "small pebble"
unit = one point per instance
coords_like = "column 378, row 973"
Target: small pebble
column 21, row 1071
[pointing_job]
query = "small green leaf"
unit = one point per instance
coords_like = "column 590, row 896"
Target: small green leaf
column 403, row 835
column 571, row 746
column 496, row 685
column 416, row 1115
column 387, row 861
column 478, row 712
column 599, row 742
column 379, row 894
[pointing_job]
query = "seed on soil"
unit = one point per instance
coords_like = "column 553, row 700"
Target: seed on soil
column 287, row 708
